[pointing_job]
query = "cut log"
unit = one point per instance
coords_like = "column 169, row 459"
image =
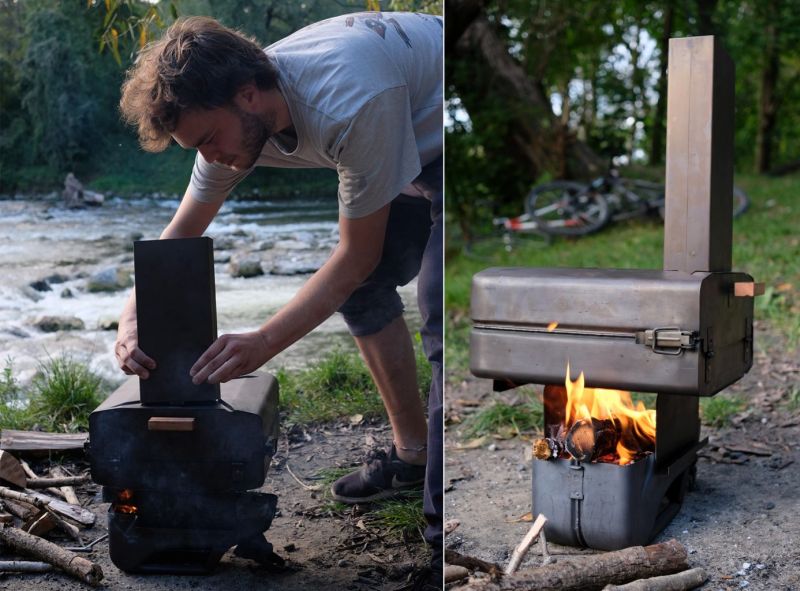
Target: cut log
column 24, row 566
column 548, row 448
column 588, row 440
column 454, row 572
column 62, row 481
column 11, row 471
column 32, row 475
column 73, row 512
column 38, row 441
column 594, row 572
column 75, row 565
column 688, row 579
column 6, row 517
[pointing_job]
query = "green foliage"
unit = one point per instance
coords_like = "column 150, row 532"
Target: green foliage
column 506, row 419
column 400, row 516
column 63, row 394
column 13, row 410
column 339, row 385
column 719, row 410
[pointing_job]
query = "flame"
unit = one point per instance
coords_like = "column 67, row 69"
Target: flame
column 125, row 507
column 552, row 326
column 637, row 424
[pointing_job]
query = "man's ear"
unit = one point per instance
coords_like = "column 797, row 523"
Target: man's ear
column 247, row 97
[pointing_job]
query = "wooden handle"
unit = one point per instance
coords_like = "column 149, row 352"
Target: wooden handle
column 747, row 289
column 170, row 424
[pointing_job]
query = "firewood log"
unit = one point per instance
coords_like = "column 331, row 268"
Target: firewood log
column 75, row 565
column 24, row 566
column 593, row 572
column 688, row 579
column 588, row 440
column 63, row 481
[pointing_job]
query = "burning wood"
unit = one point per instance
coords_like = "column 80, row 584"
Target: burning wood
column 595, row 425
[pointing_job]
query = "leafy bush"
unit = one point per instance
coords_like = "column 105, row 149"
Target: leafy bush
column 13, row 411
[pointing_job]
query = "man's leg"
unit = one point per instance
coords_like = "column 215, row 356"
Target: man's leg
column 389, row 355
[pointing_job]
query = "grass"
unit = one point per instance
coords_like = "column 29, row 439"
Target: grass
column 719, row 410
column 338, row 386
column 505, row 419
column 60, row 398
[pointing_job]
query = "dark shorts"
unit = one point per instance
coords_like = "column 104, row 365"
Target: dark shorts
column 375, row 303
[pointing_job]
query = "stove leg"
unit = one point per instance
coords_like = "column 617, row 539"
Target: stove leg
column 259, row 549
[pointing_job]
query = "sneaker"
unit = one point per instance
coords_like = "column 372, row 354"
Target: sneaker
column 383, row 476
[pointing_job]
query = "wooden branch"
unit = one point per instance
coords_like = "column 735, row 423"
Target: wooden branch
column 595, row 571
column 62, row 481
column 21, row 510
column 300, row 482
column 24, row 566
column 7, row 493
column 547, row 448
column 472, row 563
column 688, row 579
column 75, row 565
column 40, row 524
column 525, row 544
column 38, row 441
column 67, row 491
column 32, row 475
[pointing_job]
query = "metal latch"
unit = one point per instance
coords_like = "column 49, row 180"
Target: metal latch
column 668, row 340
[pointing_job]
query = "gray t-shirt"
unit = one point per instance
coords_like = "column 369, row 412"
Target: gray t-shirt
column 365, row 96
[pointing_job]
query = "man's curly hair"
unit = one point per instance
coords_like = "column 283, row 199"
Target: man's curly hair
column 198, row 63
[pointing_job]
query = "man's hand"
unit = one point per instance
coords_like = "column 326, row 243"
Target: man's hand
column 231, row 356
column 132, row 360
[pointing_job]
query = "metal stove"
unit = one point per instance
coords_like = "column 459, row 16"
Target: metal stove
column 177, row 461
column 681, row 332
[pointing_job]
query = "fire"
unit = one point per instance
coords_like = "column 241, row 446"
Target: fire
column 552, row 326
column 124, row 506
column 635, row 423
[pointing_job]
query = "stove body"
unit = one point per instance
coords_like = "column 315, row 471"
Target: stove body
column 682, row 332
column 178, row 462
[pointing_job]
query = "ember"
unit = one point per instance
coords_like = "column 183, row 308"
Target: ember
column 124, row 506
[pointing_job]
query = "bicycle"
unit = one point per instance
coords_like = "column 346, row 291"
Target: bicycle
column 574, row 209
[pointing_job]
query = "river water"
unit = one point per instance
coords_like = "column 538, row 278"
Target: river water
column 40, row 238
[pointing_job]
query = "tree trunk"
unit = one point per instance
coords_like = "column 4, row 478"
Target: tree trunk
column 535, row 132
column 659, row 117
column 768, row 108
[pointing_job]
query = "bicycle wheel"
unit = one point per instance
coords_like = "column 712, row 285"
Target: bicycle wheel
column 741, row 202
column 567, row 208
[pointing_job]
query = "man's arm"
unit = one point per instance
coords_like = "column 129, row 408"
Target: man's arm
column 355, row 257
column 191, row 219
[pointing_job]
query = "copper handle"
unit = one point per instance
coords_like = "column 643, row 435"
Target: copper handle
column 170, row 424
column 747, row 289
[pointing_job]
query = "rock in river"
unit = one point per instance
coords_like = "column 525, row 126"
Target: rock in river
column 110, row 279
column 57, row 323
column 245, row 268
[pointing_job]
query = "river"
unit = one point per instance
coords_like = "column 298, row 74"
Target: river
column 41, row 238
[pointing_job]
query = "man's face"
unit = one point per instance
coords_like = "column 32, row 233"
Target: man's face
column 229, row 135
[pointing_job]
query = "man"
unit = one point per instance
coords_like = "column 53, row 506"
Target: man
column 361, row 94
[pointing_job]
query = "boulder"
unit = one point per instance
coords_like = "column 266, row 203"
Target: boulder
column 58, row 323
column 295, row 267
column 108, row 324
column 41, row 285
column 67, row 293
column 56, row 278
column 110, row 279
column 245, row 268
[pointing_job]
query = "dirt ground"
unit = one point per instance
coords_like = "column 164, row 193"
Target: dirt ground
column 325, row 550
column 741, row 523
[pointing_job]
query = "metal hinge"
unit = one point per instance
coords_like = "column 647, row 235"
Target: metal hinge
column 668, row 340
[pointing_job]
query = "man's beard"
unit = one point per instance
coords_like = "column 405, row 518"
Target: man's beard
column 255, row 133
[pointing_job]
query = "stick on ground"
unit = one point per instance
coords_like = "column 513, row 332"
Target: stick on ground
column 688, row 579
column 24, row 566
column 595, row 571
column 77, row 566
column 472, row 563
column 525, row 544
